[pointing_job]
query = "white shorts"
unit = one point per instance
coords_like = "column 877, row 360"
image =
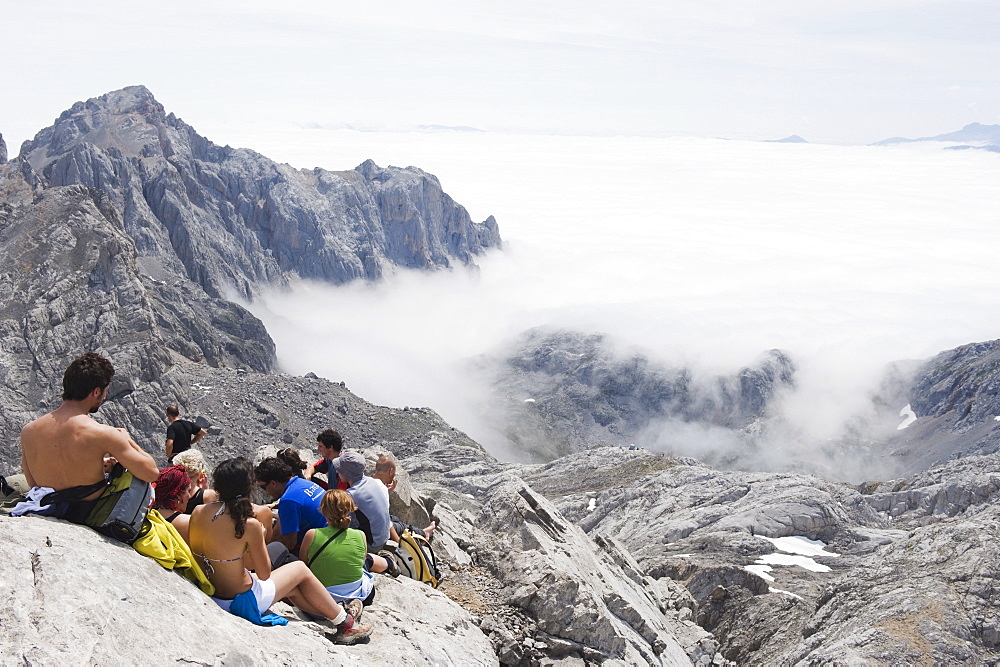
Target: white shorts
column 263, row 592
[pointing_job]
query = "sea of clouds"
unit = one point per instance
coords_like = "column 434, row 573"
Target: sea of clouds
column 702, row 252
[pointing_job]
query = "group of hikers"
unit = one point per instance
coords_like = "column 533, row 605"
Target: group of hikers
column 300, row 548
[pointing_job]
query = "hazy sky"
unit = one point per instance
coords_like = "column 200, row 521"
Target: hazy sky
column 832, row 72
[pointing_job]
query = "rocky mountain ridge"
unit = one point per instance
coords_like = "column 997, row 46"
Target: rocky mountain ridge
column 231, row 219
column 124, row 229
column 563, row 391
column 608, row 555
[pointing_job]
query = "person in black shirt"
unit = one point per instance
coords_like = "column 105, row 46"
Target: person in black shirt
column 181, row 433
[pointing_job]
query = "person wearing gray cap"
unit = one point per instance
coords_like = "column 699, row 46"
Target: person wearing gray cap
column 371, row 497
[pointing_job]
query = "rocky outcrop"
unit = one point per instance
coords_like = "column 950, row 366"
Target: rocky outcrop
column 72, row 281
column 904, row 572
column 563, row 391
column 76, row 597
column 230, row 219
column 954, row 397
column 565, row 596
column 963, row 383
column 3, row 150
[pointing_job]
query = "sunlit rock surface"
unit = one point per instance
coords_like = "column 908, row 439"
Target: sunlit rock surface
column 76, row 597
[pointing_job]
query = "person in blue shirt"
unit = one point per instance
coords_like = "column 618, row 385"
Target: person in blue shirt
column 298, row 501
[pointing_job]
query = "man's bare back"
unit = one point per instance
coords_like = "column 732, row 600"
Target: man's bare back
column 66, row 447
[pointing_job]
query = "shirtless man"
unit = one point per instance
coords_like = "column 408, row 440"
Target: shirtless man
column 66, row 447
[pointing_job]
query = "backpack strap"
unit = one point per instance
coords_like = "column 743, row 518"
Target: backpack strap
column 72, row 494
column 75, row 493
column 320, row 550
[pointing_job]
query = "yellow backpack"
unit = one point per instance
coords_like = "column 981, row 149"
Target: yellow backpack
column 416, row 558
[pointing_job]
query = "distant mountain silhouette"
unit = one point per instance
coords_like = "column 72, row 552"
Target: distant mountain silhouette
column 976, row 132
column 793, row 139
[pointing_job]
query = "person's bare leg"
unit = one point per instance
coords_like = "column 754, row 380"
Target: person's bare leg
column 429, row 530
column 379, row 564
column 296, row 582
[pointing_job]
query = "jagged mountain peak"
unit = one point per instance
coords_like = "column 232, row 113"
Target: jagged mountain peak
column 237, row 220
column 122, row 118
column 130, row 121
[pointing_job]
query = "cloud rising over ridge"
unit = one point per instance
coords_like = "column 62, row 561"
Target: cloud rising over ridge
column 701, row 252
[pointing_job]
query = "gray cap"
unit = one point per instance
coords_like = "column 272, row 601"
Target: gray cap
column 350, row 465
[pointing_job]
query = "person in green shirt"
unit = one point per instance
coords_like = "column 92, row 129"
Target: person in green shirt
column 338, row 555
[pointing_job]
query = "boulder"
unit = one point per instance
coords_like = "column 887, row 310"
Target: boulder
column 76, row 597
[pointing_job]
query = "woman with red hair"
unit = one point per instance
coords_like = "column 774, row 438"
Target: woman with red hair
column 173, row 490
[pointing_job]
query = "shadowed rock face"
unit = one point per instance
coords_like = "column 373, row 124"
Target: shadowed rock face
column 232, row 219
column 71, row 282
column 963, row 383
column 3, row 150
column 563, row 391
column 956, row 398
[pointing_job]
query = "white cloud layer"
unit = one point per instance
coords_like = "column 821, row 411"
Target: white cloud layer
column 703, row 252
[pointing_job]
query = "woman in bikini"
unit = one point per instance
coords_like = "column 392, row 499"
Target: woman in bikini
column 228, row 540
column 173, row 490
column 202, row 493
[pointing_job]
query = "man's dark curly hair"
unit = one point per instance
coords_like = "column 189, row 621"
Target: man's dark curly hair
column 86, row 373
column 273, row 470
column 331, row 439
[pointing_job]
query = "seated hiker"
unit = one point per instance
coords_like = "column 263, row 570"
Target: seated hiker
column 330, row 444
column 66, row 448
column 338, row 554
column 226, row 538
column 385, row 472
column 369, row 495
column 299, row 467
column 173, row 490
column 181, row 433
column 298, row 501
column 194, row 464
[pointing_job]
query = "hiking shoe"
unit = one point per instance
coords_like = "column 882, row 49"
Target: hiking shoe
column 354, row 607
column 390, row 558
column 350, row 632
